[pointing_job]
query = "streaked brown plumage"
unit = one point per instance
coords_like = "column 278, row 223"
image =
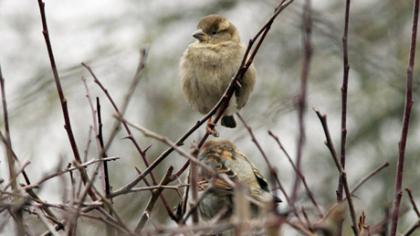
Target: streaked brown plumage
column 208, row 65
column 223, row 157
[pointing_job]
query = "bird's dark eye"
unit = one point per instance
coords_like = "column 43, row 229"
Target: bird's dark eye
column 213, row 31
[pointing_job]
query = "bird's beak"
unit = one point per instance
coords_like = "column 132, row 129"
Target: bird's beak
column 199, row 34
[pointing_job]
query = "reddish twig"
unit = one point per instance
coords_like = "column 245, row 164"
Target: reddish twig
column 130, row 136
column 127, row 97
column 344, row 87
column 406, row 121
column 370, row 175
column 273, row 173
column 413, row 203
column 412, row 229
column 343, row 175
column 298, row 173
column 307, row 55
column 63, row 101
column 155, row 195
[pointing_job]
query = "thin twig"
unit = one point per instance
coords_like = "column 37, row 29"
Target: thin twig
column 272, row 171
column 167, row 141
column 44, row 220
column 97, row 127
column 370, row 175
column 8, row 141
column 344, row 88
column 413, row 202
column 148, row 188
column 343, row 175
column 130, row 136
column 406, row 121
column 83, row 165
column 127, row 97
column 412, row 229
column 103, row 152
column 302, row 177
column 21, row 170
column 63, row 101
column 155, row 195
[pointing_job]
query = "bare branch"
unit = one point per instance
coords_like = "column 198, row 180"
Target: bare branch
column 63, row 101
column 330, row 145
column 370, row 175
column 406, row 122
column 130, row 136
column 127, row 97
column 413, row 202
column 273, row 173
column 412, row 229
column 298, row 173
column 83, row 165
column 155, row 195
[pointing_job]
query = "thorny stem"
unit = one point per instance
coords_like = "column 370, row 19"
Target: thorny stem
column 130, row 137
column 63, row 101
column 103, row 152
column 406, row 121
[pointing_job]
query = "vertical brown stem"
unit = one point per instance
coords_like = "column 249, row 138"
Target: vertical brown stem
column 343, row 175
column 344, row 87
column 63, row 101
column 406, row 121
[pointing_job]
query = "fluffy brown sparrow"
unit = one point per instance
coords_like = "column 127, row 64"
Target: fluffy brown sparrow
column 208, row 65
column 224, row 158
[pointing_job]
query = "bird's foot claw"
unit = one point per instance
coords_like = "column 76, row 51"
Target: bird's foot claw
column 211, row 130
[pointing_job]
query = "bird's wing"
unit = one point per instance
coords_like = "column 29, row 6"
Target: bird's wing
column 262, row 182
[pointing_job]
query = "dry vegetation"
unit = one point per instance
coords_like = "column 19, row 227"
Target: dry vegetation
column 92, row 196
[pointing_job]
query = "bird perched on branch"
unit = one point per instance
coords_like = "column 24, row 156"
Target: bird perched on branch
column 218, row 200
column 208, row 65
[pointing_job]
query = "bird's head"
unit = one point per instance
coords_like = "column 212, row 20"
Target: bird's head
column 214, row 29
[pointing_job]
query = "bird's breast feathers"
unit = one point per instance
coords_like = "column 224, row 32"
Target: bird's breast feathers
column 210, row 62
column 206, row 70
